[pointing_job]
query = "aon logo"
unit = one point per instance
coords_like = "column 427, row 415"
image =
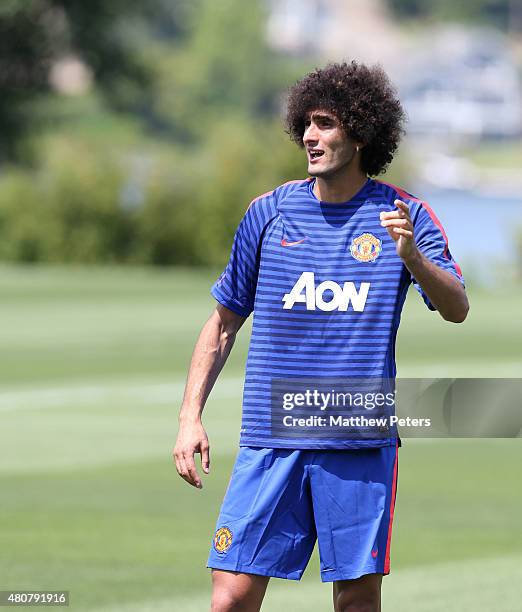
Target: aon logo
column 305, row 291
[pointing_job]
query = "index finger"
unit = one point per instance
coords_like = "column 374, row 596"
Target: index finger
column 403, row 206
column 190, row 473
column 205, row 457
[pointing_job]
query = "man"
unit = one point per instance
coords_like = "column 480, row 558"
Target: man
column 325, row 264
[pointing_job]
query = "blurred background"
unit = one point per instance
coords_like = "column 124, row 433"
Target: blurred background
column 132, row 138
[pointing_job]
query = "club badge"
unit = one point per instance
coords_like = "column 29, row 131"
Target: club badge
column 222, row 539
column 365, row 248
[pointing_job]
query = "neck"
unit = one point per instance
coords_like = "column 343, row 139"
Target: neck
column 339, row 188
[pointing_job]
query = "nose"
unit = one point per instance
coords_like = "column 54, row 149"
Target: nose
column 310, row 134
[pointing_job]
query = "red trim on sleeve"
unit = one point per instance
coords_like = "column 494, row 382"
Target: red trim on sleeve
column 433, row 216
column 392, row 509
column 260, row 196
column 306, row 180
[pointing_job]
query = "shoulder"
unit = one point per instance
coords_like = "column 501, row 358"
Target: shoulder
column 264, row 208
column 394, row 192
column 269, row 200
column 419, row 208
column 422, row 214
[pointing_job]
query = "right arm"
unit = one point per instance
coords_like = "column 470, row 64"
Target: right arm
column 210, row 354
column 235, row 292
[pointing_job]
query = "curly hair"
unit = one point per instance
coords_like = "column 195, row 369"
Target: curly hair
column 363, row 100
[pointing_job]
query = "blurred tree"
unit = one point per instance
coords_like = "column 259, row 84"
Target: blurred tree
column 35, row 34
column 226, row 67
column 101, row 188
column 177, row 64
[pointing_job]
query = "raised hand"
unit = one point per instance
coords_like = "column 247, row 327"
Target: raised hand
column 400, row 228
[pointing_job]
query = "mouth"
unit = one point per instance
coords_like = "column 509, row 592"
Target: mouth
column 315, row 154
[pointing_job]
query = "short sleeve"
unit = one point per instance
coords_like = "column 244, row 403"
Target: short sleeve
column 432, row 242
column 236, row 287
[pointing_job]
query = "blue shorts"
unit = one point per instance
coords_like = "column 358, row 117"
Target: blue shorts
column 280, row 501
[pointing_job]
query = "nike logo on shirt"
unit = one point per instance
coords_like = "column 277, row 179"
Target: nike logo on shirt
column 285, row 243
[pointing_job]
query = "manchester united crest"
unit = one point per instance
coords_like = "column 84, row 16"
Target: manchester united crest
column 222, row 539
column 366, row 247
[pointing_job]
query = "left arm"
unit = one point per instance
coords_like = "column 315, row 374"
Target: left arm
column 444, row 291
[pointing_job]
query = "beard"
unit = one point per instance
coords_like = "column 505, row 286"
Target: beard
column 332, row 169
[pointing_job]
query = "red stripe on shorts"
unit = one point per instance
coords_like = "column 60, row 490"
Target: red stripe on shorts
column 392, row 508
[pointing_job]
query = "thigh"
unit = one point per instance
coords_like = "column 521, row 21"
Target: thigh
column 237, row 591
column 266, row 523
column 353, row 496
column 364, row 593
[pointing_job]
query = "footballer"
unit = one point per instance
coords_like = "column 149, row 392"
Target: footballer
column 324, row 264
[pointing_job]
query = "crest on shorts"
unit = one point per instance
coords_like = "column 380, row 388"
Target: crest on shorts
column 366, row 247
column 222, row 539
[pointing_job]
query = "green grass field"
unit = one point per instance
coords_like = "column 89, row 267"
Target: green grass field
column 93, row 367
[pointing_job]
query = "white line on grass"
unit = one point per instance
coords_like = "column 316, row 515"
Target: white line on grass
column 166, row 392
column 102, row 392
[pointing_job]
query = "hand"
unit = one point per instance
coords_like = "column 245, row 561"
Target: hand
column 192, row 439
column 400, row 228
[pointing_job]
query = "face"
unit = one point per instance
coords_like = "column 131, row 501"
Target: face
column 328, row 148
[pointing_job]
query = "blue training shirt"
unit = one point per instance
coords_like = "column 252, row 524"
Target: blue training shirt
column 327, row 288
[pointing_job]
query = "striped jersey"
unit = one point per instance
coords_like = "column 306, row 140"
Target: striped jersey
column 326, row 287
